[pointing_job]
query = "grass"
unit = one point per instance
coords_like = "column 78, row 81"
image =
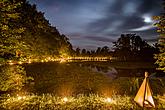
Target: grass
column 80, row 102
column 2, row 60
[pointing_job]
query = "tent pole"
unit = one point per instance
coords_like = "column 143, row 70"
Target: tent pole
column 146, row 76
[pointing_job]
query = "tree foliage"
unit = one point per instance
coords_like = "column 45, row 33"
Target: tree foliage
column 12, row 78
column 10, row 32
column 160, row 24
column 25, row 32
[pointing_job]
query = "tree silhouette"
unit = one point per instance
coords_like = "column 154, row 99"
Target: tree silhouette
column 98, row 51
column 104, row 51
column 83, row 52
column 77, row 51
column 132, row 47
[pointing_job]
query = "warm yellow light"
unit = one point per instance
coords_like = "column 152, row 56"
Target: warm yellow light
column 65, row 99
column 11, row 63
column 24, row 97
column 62, row 60
column 29, row 61
column 19, row 98
column 109, row 100
column 20, row 62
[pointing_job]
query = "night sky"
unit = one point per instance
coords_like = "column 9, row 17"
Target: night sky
column 93, row 23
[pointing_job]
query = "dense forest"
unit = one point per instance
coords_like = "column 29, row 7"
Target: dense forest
column 26, row 33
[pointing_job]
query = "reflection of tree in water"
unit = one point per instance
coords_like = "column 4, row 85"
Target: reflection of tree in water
column 66, row 79
column 120, row 69
column 100, row 68
column 78, row 78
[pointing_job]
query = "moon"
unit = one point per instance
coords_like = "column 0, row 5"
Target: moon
column 147, row 19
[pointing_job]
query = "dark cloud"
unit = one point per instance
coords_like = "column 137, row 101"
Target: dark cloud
column 53, row 2
column 149, row 6
column 131, row 22
column 91, row 37
column 115, row 13
column 116, row 7
column 99, row 38
column 88, row 21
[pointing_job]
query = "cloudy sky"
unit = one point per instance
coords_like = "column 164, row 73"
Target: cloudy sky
column 93, row 23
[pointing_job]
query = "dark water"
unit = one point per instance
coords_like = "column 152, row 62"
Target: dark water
column 104, row 78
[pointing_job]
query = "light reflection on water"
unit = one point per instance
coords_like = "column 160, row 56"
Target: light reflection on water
column 72, row 78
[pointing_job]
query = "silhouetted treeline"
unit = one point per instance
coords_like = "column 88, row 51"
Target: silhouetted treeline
column 128, row 47
column 100, row 51
column 132, row 47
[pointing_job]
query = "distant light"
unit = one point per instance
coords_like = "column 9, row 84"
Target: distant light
column 24, row 97
column 19, row 97
column 11, row 63
column 29, row 61
column 65, row 99
column 20, row 62
column 109, row 100
column 62, row 60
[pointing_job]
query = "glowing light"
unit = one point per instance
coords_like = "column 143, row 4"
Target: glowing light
column 24, row 97
column 11, row 63
column 29, row 61
column 62, row 60
column 109, row 100
column 19, row 97
column 20, row 62
column 65, row 99
column 147, row 19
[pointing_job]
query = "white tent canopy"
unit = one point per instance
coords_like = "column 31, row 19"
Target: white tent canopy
column 144, row 95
